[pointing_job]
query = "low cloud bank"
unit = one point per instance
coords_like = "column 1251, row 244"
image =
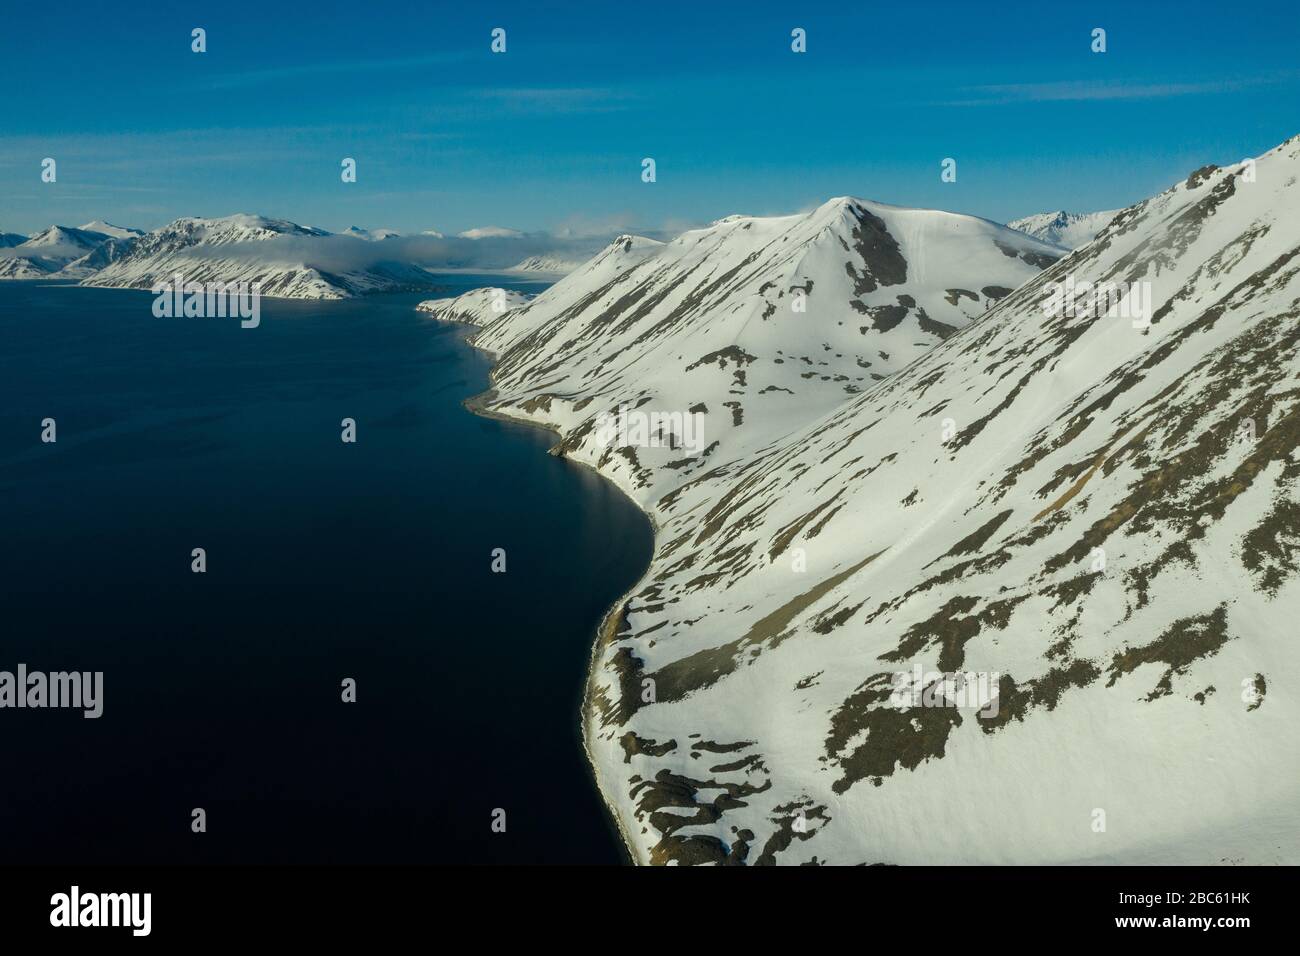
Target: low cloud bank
column 350, row 254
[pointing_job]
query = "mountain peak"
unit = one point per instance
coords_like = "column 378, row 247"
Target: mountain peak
column 490, row 232
column 110, row 230
column 1066, row 230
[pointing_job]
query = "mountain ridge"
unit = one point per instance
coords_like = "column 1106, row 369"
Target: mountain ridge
column 230, row 249
column 1057, row 501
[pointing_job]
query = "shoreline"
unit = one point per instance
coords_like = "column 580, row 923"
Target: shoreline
column 477, row 404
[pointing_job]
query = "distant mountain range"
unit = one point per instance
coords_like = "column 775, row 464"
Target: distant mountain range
column 57, row 248
column 916, row 473
column 286, row 259
column 1068, row 230
column 294, row 261
column 276, row 254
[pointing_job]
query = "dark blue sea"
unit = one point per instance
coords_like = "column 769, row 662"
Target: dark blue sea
column 325, row 561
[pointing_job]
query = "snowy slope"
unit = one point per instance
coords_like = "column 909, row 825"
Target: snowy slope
column 476, row 307
column 106, row 253
column 483, row 307
column 10, row 239
column 1069, row 230
column 19, row 267
column 1102, row 518
column 285, row 258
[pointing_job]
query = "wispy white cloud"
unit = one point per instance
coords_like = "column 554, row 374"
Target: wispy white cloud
column 1083, row 90
column 246, row 78
column 558, row 99
column 214, row 144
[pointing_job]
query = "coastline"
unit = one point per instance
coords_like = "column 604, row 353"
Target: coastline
column 603, row 633
column 477, row 405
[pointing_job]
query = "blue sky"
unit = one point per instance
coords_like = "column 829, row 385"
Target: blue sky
column 551, row 134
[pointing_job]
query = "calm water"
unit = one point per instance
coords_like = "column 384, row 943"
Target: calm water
column 325, row 561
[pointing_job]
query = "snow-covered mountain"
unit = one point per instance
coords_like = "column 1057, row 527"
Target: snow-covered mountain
column 47, row 252
column 483, row 307
column 287, row 260
column 59, row 241
column 1101, row 518
column 489, row 232
column 550, row 265
column 370, row 234
column 18, row 267
column 760, row 324
column 1098, row 516
column 110, row 230
column 476, row 307
column 1069, row 230
column 10, row 239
